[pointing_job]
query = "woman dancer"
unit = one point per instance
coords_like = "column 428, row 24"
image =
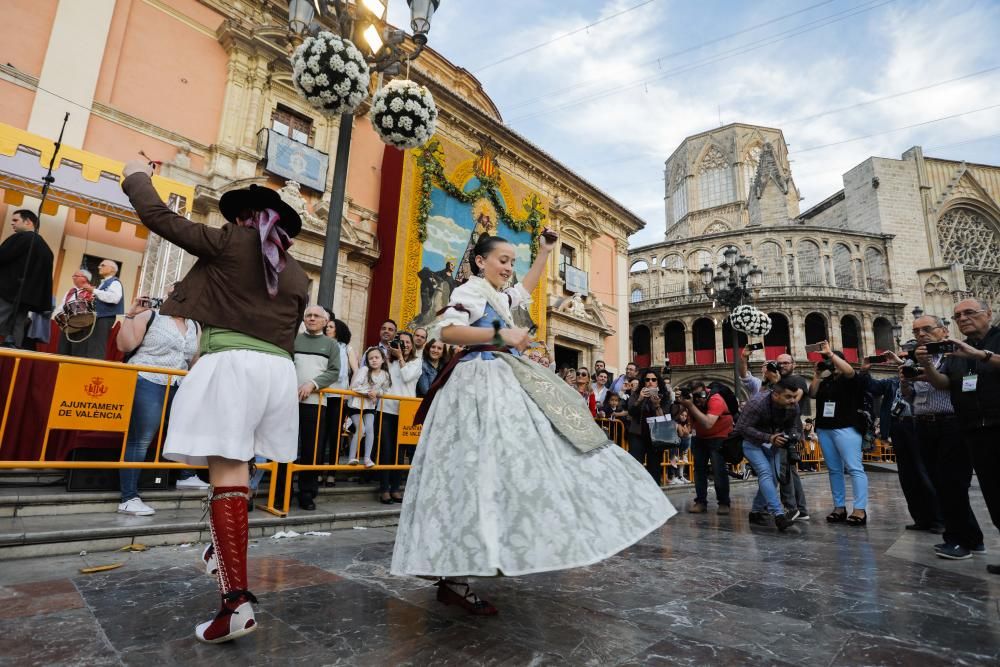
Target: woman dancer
column 512, row 475
column 372, row 380
column 240, row 399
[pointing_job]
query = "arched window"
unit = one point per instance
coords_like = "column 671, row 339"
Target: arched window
column 843, row 274
column 701, row 258
column 639, row 266
column 673, row 340
column 727, row 341
column 703, row 335
column 882, row 328
column 715, row 183
column 672, row 262
column 815, row 333
column 876, row 270
column 850, row 334
column 636, row 296
column 640, row 346
column 716, row 227
column 778, row 340
column 810, row 267
column 750, row 163
column 769, row 259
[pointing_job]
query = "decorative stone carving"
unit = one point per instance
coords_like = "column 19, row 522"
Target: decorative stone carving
column 574, row 306
column 714, row 159
column 292, row 195
column 966, row 236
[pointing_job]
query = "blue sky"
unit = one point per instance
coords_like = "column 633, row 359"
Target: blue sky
column 613, row 101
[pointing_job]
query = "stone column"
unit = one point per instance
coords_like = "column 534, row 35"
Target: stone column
column 720, row 343
column 797, row 334
column 688, row 344
column 833, row 322
column 867, row 334
column 657, row 349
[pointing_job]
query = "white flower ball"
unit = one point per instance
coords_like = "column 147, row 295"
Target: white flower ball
column 405, row 123
column 307, row 82
column 387, row 122
column 322, row 80
column 396, row 104
column 337, row 63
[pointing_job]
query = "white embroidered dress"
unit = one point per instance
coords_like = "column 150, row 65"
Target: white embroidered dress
column 495, row 490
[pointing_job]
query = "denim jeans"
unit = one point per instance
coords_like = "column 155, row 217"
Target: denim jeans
column 147, row 406
column 765, row 463
column 842, row 451
column 704, row 450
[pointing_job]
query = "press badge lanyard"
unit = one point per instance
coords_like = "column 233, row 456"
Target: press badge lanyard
column 971, row 379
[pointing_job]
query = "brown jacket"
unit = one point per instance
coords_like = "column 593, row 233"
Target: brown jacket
column 225, row 287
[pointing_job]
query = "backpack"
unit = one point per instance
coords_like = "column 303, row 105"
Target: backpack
column 732, row 403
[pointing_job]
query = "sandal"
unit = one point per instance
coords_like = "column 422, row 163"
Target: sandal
column 469, row 601
column 837, row 516
column 855, row 520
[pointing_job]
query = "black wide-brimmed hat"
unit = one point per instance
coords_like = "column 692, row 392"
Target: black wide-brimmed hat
column 258, row 198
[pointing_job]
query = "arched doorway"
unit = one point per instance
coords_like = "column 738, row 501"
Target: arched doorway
column 703, row 335
column 850, row 335
column 779, row 339
column 673, row 337
column 727, row 341
column 815, row 333
column 640, row 346
column 882, row 328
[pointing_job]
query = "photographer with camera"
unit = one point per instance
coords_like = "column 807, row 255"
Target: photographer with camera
column 793, row 496
column 768, row 423
column 151, row 340
column 896, row 422
column 713, row 421
column 840, row 422
column 651, row 400
column 970, row 373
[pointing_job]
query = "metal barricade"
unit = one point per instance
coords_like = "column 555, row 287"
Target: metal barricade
column 100, row 371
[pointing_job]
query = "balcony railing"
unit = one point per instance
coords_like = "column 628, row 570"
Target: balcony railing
column 878, row 290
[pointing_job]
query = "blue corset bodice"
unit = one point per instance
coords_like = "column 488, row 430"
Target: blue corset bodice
column 486, row 322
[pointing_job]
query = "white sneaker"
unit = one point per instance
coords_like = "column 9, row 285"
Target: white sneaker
column 354, row 462
column 136, row 507
column 369, row 463
column 210, row 561
column 192, row 483
column 241, row 622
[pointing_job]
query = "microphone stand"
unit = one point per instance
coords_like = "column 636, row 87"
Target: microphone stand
column 47, row 181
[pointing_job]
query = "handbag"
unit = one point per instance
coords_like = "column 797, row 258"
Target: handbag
column 663, row 431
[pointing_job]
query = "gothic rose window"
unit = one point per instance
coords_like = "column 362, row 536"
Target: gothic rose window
column 967, row 237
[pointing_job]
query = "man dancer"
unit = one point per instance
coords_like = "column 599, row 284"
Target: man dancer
column 239, row 400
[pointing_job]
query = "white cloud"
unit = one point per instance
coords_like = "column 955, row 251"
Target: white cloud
column 620, row 141
column 445, row 236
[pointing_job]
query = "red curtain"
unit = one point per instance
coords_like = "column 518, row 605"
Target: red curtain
column 704, row 357
column 676, row 358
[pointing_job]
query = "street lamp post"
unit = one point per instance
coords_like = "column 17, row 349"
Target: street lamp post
column 737, row 279
column 350, row 20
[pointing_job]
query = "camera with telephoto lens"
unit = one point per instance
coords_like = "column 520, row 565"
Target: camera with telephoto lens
column 394, row 343
column 909, row 369
column 825, row 365
column 771, row 367
column 685, row 393
column 792, row 438
column 150, row 302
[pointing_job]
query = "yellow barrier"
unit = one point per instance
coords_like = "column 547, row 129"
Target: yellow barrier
column 118, row 369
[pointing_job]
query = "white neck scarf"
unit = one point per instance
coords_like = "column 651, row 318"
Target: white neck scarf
column 494, row 297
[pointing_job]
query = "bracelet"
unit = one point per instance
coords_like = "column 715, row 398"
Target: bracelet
column 497, row 338
column 989, row 355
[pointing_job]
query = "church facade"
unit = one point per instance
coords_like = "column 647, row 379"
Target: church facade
column 902, row 233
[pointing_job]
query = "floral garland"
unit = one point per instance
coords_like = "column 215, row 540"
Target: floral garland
column 750, row 320
column 430, row 161
column 331, row 73
column 403, row 114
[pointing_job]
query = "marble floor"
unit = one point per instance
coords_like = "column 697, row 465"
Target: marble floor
column 703, row 590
